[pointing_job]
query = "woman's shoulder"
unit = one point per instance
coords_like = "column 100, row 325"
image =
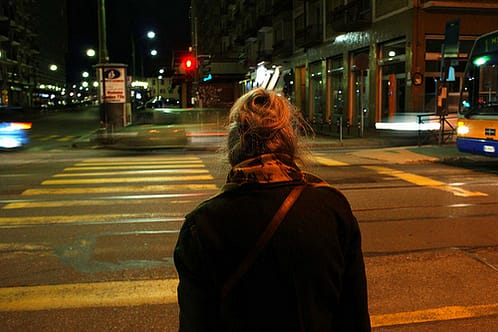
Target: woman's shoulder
column 315, row 181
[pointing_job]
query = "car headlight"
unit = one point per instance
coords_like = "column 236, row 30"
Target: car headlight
column 462, row 129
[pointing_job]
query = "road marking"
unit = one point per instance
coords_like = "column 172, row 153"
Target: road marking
column 134, row 293
column 329, row 162
column 140, row 162
column 66, row 138
column 19, row 222
column 46, row 138
column 120, row 189
column 432, row 315
column 84, row 295
column 129, row 179
column 139, row 159
column 424, row 181
column 154, row 171
column 128, row 200
column 134, row 166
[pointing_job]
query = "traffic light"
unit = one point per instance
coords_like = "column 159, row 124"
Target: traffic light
column 189, row 64
column 205, row 67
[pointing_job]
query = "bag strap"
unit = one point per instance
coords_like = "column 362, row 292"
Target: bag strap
column 262, row 241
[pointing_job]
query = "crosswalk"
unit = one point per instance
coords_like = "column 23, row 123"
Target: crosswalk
column 110, row 182
column 418, row 180
column 103, row 191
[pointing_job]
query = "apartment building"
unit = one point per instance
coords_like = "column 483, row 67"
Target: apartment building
column 362, row 61
column 33, row 47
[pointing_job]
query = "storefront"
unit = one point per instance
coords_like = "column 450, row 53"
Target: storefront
column 392, row 75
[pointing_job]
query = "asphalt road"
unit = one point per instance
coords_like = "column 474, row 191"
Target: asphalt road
column 87, row 235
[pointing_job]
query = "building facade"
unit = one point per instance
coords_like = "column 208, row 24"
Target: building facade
column 359, row 61
column 33, row 46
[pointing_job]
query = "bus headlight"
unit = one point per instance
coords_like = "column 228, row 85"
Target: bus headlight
column 462, row 129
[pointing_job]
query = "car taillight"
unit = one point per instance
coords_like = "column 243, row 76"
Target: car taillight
column 21, row 125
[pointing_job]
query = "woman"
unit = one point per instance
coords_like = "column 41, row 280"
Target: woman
column 308, row 276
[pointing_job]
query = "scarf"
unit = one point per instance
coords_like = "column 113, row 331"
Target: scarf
column 266, row 168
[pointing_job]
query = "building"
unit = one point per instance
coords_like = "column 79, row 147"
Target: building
column 362, row 61
column 52, row 43
column 33, row 43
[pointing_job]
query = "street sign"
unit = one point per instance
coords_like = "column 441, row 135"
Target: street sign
column 451, row 39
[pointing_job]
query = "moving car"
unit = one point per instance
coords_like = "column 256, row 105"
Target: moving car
column 14, row 129
column 148, row 136
column 153, row 127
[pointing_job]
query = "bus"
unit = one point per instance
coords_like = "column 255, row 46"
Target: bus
column 478, row 107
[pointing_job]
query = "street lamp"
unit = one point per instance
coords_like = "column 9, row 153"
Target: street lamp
column 90, row 52
column 150, row 35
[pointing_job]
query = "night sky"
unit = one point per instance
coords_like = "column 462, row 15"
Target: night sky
column 124, row 18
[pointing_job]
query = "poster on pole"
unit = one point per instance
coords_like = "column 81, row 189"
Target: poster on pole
column 113, row 87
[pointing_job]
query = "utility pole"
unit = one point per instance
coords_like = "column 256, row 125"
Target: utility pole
column 103, row 56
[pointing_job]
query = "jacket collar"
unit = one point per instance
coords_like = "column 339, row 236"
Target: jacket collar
column 264, row 169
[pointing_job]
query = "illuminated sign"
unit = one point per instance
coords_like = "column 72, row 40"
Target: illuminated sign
column 113, row 88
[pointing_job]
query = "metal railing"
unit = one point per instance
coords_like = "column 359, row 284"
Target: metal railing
column 443, row 133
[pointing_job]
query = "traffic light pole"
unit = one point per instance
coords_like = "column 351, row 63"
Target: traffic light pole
column 195, row 76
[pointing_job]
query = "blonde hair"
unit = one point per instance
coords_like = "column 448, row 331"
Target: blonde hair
column 262, row 121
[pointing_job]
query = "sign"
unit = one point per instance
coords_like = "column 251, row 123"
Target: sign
column 113, row 87
column 451, row 39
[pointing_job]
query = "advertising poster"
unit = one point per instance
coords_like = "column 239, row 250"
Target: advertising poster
column 113, row 87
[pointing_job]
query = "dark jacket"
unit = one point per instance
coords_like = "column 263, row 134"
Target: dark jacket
column 310, row 276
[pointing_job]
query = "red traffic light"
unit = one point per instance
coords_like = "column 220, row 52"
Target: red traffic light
column 189, row 63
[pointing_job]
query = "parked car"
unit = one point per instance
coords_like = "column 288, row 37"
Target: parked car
column 14, row 129
column 146, row 113
column 161, row 102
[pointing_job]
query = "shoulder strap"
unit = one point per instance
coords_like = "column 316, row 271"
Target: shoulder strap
column 262, row 241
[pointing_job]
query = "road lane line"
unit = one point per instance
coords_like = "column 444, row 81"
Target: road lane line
column 128, row 180
column 433, row 315
column 84, row 295
column 424, row 181
column 19, row 222
column 119, row 189
column 329, row 162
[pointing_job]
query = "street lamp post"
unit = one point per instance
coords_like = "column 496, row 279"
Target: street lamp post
column 112, row 77
column 103, row 55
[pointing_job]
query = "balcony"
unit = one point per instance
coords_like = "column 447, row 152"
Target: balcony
column 353, row 16
column 309, row 36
